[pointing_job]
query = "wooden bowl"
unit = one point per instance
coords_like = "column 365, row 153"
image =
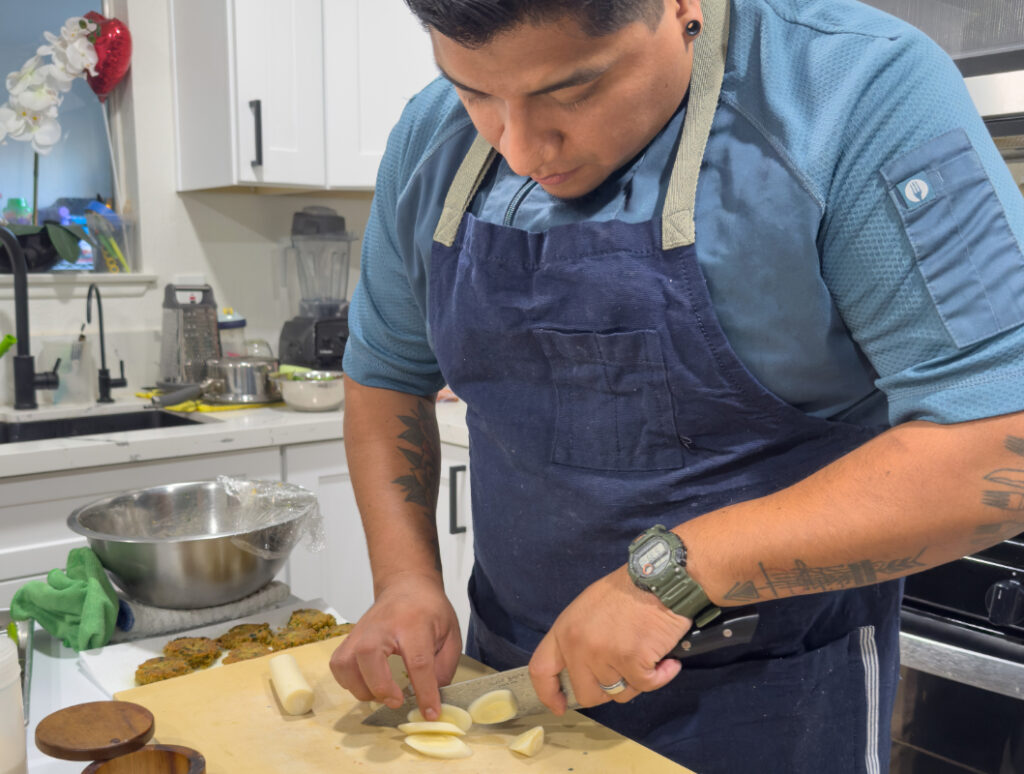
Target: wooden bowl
column 152, row 759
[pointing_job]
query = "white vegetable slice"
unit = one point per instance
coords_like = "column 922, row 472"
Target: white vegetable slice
column 439, row 745
column 529, row 742
column 292, row 689
column 494, row 707
column 428, row 727
column 449, row 714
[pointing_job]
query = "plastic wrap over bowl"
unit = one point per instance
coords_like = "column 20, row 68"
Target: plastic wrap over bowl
column 198, row 544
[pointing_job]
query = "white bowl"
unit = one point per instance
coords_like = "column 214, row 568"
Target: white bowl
column 312, row 390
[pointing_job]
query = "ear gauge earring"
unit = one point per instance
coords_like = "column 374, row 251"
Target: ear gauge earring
column 693, row 28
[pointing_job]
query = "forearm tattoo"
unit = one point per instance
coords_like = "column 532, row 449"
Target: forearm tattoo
column 1009, row 499
column 802, row 578
column 421, row 446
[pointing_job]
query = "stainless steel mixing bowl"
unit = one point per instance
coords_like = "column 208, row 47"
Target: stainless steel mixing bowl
column 195, row 544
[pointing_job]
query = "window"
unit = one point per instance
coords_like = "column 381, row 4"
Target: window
column 77, row 171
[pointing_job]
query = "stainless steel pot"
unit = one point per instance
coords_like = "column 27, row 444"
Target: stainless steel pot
column 231, row 380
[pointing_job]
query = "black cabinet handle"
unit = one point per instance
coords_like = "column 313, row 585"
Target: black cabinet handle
column 453, row 500
column 257, row 112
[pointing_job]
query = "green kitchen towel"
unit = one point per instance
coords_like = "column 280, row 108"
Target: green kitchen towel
column 78, row 604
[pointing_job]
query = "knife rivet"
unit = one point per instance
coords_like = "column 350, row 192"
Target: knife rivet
column 727, row 632
column 687, row 645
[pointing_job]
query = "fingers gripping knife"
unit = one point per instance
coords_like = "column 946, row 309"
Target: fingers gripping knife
column 734, row 628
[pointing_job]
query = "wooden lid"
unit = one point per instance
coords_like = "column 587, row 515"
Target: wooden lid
column 95, row 731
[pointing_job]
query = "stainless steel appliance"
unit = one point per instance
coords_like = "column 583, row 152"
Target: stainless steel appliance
column 190, row 335
column 316, row 275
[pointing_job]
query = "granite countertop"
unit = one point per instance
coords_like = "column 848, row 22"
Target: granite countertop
column 217, row 432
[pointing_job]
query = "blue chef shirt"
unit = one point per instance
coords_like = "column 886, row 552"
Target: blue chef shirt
column 859, row 233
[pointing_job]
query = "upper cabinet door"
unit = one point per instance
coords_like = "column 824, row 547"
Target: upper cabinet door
column 376, row 57
column 228, row 54
column 280, row 91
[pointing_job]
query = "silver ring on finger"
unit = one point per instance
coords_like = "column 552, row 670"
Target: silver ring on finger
column 615, row 688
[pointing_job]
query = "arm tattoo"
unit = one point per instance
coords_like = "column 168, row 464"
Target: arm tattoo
column 1010, row 500
column 804, row 579
column 422, row 448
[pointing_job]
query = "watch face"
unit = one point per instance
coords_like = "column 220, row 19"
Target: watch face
column 651, row 559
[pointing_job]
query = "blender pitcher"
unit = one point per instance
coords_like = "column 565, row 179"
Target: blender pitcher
column 316, row 275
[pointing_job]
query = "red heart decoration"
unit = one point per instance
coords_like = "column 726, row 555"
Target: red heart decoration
column 113, row 46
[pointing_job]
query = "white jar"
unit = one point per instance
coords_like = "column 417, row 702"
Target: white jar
column 12, row 718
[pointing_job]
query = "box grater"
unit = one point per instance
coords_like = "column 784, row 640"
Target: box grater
column 190, row 335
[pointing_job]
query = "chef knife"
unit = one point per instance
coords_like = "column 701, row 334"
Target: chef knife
column 733, row 628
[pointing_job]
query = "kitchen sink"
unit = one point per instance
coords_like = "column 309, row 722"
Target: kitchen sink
column 42, row 429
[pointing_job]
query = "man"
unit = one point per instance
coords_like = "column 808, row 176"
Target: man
column 720, row 249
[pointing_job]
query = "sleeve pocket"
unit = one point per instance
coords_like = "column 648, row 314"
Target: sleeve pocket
column 970, row 260
column 614, row 407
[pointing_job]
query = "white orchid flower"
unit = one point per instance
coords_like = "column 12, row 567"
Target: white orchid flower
column 19, row 80
column 76, row 28
column 41, row 128
column 40, row 94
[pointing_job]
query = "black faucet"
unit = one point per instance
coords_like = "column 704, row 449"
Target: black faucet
column 105, row 381
column 26, row 380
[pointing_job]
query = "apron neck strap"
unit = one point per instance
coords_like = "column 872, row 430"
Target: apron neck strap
column 677, row 228
column 467, row 180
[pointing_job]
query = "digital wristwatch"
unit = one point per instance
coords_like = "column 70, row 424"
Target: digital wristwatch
column 657, row 563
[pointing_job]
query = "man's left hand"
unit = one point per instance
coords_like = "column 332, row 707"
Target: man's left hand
column 611, row 631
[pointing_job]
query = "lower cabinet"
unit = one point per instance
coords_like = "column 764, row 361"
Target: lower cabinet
column 34, row 536
column 340, row 572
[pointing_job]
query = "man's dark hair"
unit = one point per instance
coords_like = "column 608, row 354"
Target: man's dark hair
column 473, row 23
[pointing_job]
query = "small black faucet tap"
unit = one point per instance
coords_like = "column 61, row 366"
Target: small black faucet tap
column 26, row 380
column 104, row 377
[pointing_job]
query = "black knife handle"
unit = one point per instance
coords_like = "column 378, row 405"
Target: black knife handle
column 736, row 627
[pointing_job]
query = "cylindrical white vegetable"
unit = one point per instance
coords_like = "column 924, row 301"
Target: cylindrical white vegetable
column 292, row 689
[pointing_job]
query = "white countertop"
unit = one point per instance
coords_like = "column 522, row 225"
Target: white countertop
column 219, row 431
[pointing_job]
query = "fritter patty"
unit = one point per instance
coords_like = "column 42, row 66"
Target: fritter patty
column 292, row 638
column 307, row 618
column 197, row 651
column 338, row 630
column 246, row 651
column 160, row 668
column 245, row 634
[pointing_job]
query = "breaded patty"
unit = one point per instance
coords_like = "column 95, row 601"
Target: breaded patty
column 291, row 638
column 338, row 630
column 197, row 651
column 246, row 651
column 307, row 618
column 160, row 668
column 245, row 634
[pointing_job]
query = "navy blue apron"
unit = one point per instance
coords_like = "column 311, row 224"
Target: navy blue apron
column 602, row 398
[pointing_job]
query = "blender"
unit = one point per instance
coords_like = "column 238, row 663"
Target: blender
column 316, row 275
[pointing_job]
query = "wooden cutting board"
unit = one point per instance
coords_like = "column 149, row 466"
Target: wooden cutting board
column 231, row 715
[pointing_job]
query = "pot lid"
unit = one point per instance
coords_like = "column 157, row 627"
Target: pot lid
column 95, row 731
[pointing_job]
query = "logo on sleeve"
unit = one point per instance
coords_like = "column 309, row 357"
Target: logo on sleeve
column 917, row 190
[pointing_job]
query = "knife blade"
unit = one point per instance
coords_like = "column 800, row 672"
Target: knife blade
column 736, row 627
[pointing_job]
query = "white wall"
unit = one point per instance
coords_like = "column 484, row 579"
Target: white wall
column 233, row 239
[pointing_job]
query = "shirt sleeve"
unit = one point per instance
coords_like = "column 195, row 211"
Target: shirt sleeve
column 388, row 343
column 921, row 242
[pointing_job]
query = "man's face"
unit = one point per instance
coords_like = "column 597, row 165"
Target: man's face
column 567, row 109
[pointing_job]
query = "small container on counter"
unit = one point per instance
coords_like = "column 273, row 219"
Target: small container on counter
column 231, row 326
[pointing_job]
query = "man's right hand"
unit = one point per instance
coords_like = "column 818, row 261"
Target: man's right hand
column 412, row 618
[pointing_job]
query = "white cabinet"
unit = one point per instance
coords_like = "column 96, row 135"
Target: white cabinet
column 290, row 93
column 376, row 58
column 248, row 92
column 34, row 536
column 340, row 573
column 455, row 529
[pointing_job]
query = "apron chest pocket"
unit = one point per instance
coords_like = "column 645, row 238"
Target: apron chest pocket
column 614, row 408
